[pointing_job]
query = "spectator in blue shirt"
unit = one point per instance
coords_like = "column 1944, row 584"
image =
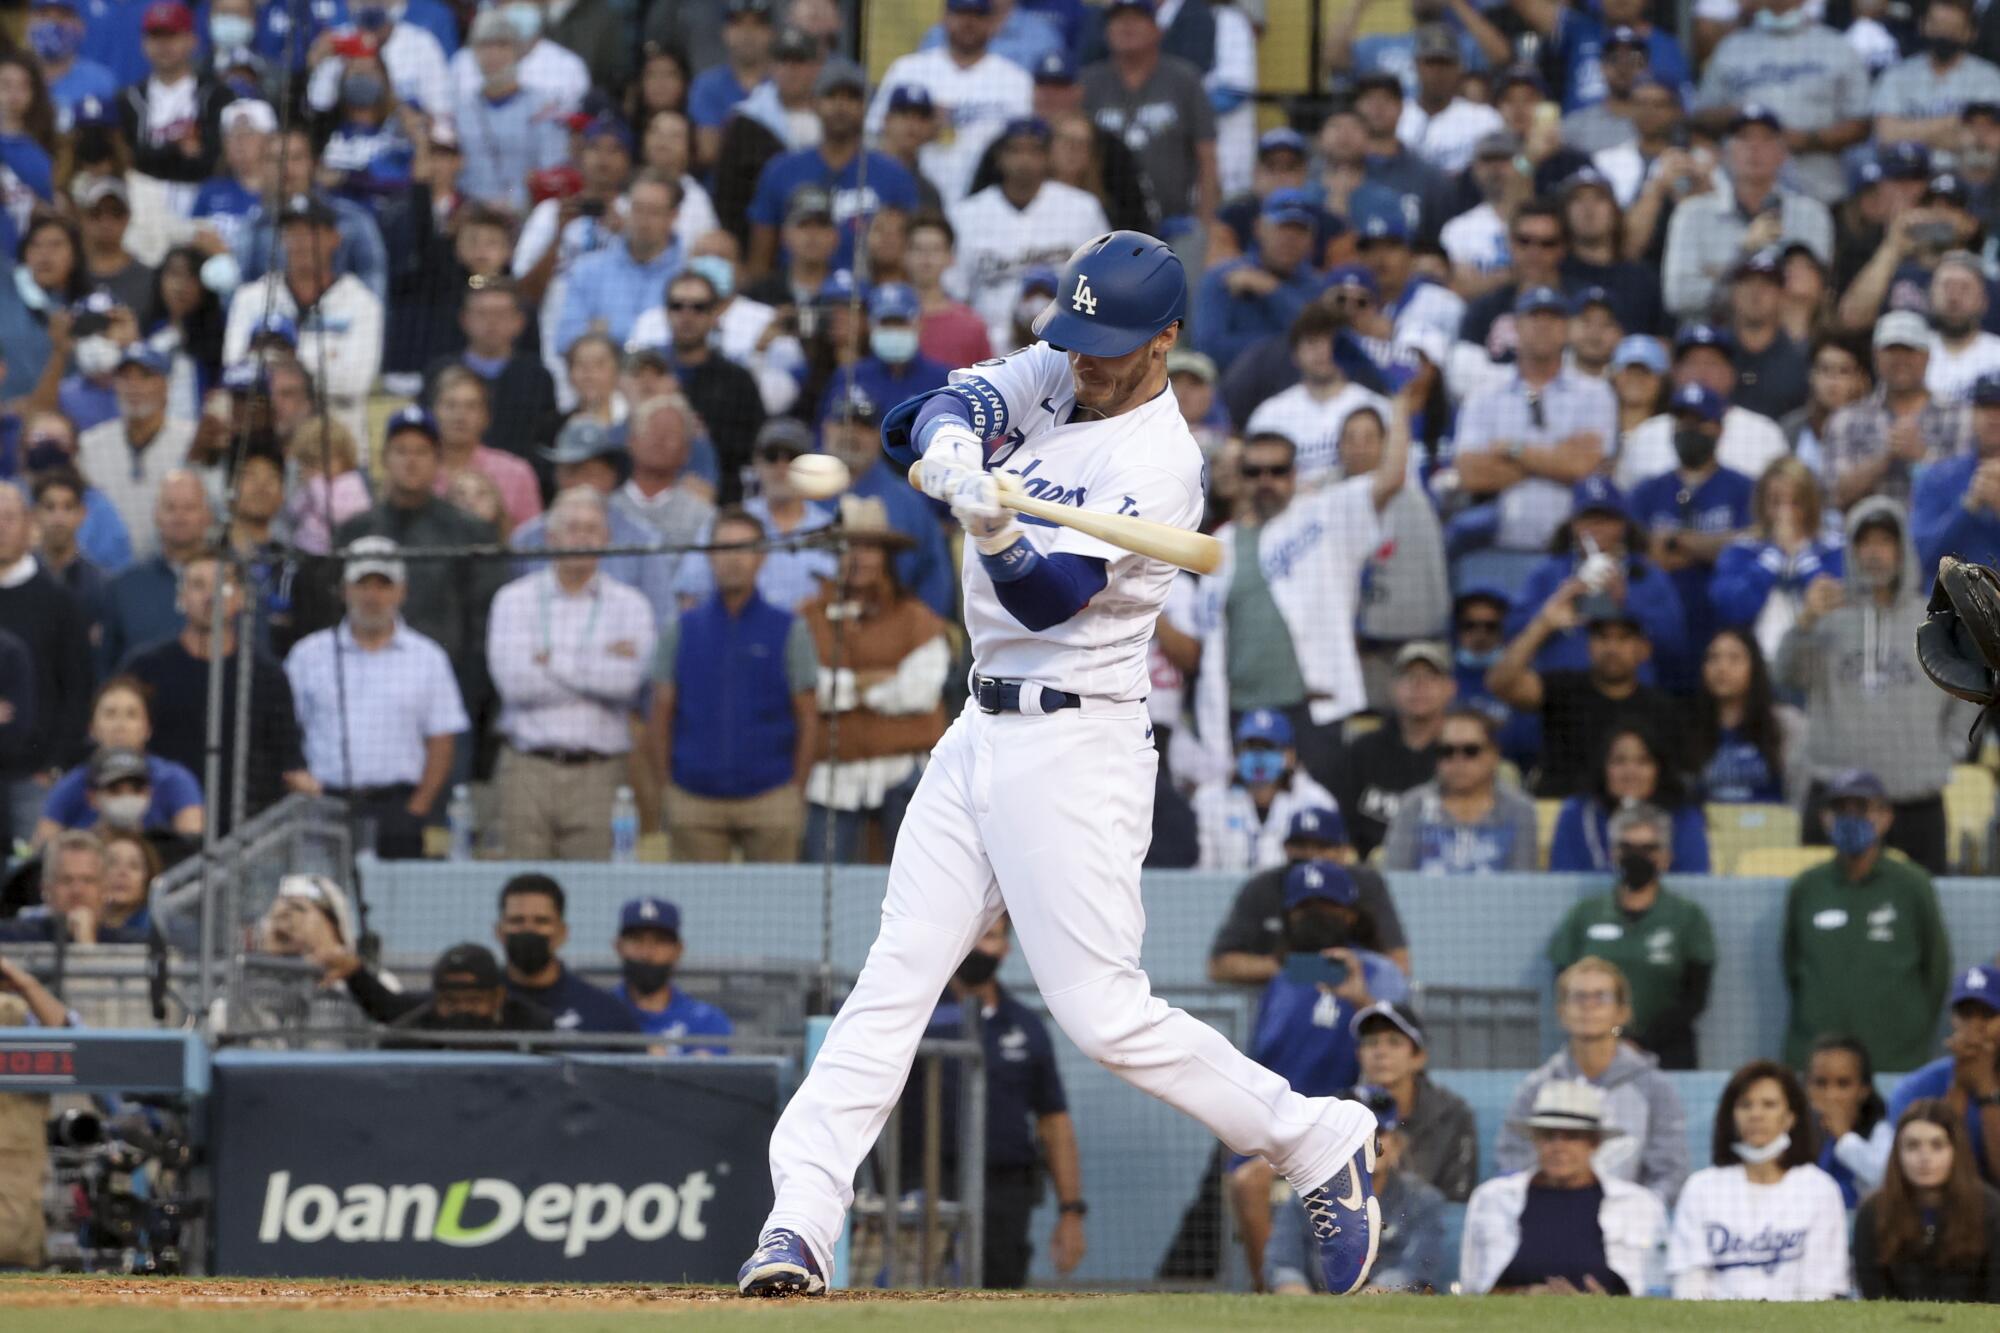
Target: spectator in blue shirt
column 735, row 719
column 716, row 91
column 124, row 789
column 1263, row 292
column 142, row 602
column 649, row 947
column 1304, row 1027
column 1631, row 769
column 56, row 35
column 851, row 432
column 1760, row 581
column 609, row 289
column 893, row 370
column 1600, row 544
column 1693, row 513
column 1956, row 503
column 1743, row 747
column 258, row 244
column 1970, row 1064
column 861, row 181
column 1578, row 33
column 532, row 931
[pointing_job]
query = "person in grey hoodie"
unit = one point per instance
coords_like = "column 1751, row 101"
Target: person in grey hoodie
column 1594, row 1006
column 1853, row 654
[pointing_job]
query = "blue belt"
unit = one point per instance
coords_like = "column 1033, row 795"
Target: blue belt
column 1004, row 696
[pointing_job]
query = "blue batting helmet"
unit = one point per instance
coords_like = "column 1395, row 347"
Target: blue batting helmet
column 1114, row 294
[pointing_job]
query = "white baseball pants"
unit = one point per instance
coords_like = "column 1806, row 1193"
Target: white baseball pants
column 1046, row 818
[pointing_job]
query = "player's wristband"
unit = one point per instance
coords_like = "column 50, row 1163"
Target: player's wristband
column 1075, row 1207
column 1016, row 561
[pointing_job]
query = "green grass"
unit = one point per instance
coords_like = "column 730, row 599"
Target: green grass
column 1115, row 1314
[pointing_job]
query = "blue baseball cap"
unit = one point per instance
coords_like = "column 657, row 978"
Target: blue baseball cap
column 1695, row 334
column 93, row 111
column 276, row 324
column 968, row 6
column 1264, row 724
column 851, row 402
column 1641, row 351
column 1986, row 390
column 1591, row 296
column 1299, row 207
column 840, row 288
column 1317, row 823
column 146, row 357
column 1399, row 1016
column 1283, row 139
column 1976, row 985
column 581, row 440
column 609, row 126
column 1382, row 227
column 1756, row 113
column 413, row 418
column 649, row 914
column 1697, row 400
column 1057, row 66
column 1598, row 494
column 1514, row 74
column 894, row 300
column 1027, row 127
column 911, row 97
column 1320, row 879
column 1768, row 263
column 1904, row 162
column 1626, row 37
column 1353, row 275
column 1040, row 278
column 1540, row 299
column 1855, row 784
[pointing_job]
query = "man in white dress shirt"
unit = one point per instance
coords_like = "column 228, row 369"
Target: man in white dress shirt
column 378, row 705
column 566, row 646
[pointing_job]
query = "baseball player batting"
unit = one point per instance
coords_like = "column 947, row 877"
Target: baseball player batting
column 1039, row 799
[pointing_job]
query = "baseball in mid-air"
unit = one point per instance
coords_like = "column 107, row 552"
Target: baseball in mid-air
column 818, row 476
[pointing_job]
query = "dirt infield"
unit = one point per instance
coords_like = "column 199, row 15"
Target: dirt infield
column 269, row 1294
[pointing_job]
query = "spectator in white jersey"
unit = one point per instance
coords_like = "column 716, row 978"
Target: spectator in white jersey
column 1241, row 822
column 1964, row 351
column 1280, row 610
column 1312, row 412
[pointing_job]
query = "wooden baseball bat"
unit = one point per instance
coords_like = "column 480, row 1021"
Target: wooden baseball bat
column 1196, row 552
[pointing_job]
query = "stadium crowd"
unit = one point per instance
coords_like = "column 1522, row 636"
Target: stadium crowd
column 1588, row 401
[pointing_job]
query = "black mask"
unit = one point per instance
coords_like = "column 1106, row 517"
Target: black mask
column 528, row 952
column 1311, row 932
column 645, row 978
column 94, row 143
column 1695, row 448
column 1944, row 50
column 1636, row 870
column 978, row 968
column 461, row 1023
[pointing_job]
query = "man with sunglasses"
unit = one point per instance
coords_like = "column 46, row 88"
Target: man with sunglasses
column 723, row 394
column 1537, row 245
column 1661, row 941
column 1462, row 822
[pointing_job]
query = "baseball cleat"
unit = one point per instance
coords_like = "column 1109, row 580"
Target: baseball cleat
column 1347, row 1221
column 783, row 1266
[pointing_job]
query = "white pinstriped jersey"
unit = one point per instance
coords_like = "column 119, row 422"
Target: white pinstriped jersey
column 1143, row 462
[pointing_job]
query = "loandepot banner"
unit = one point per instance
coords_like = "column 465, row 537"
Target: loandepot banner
column 524, row 1167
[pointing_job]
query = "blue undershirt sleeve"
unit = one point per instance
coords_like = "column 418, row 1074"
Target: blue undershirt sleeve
column 1043, row 591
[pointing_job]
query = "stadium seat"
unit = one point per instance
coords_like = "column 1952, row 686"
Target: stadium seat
column 1736, row 829
column 1780, row 862
column 1498, row 571
column 1545, row 829
column 1969, row 814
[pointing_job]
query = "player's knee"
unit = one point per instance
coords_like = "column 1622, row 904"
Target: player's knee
column 1106, row 1017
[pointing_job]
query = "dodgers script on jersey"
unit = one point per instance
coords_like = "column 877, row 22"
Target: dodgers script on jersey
column 1143, row 462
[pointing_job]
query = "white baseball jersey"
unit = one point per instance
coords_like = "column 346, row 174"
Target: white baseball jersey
column 1230, row 835
column 1312, row 556
column 1446, row 140
column 1313, row 425
column 1142, row 462
column 1477, row 238
column 998, row 242
column 973, row 103
column 1735, row 1241
column 1951, row 374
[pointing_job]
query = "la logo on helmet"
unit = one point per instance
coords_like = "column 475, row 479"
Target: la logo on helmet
column 1081, row 298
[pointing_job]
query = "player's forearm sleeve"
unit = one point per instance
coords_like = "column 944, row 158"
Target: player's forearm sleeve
column 1043, row 591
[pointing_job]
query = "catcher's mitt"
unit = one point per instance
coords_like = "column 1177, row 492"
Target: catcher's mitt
column 1959, row 641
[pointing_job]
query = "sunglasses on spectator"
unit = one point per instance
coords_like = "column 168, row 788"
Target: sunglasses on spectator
column 1638, row 848
column 1472, row 751
column 776, row 453
column 695, row 307
column 1537, row 242
column 1480, row 626
column 1251, row 473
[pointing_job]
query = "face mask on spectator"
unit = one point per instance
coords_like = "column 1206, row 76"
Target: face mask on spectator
column 893, row 345
column 527, row 20
column 1852, row 835
column 94, row 144
column 43, row 454
column 1791, row 22
column 361, row 88
column 371, row 18
column 1260, row 766
column 54, row 42
column 229, row 31
column 644, row 978
column 32, row 296
column 460, row 1022
column 96, row 356
column 125, row 811
column 1695, row 448
column 1944, row 50
column 527, row 952
column 978, row 968
column 721, row 274
column 1473, row 660
column 1636, row 870
column 1770, row 1152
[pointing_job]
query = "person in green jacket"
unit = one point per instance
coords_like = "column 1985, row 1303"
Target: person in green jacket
column 1865, row 946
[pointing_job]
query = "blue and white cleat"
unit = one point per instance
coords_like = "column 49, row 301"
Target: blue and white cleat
column 1347, row 1222
column 783, row 1266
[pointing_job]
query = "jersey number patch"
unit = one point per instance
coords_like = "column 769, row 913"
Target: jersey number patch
column 1081, row 298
